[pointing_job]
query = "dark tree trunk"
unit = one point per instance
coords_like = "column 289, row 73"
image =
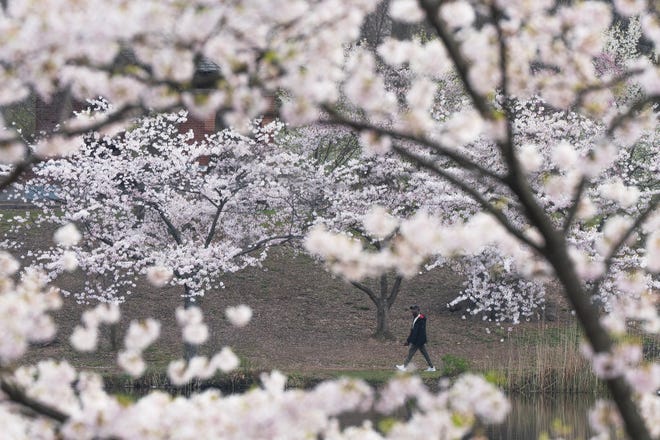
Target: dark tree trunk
column 383, row 301
column 597, row 336
column 383, row 321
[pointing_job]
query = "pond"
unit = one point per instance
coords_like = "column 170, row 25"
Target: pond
column 559, row 415
column 563, row 415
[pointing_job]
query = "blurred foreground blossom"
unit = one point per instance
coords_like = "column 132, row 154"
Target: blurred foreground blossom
column 67, row 235
column 239, row 316
column 159, row 276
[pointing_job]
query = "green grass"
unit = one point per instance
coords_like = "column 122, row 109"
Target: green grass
column 243, row 379
column 375, row 378
column 454, row 365
column 371, row 376
column 12, row 217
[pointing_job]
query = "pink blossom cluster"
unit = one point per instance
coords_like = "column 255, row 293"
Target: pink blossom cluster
column 557, row 153
column 151, row 201
column 25, row 307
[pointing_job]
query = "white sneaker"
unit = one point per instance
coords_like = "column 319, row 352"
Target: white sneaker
column 430, row 369
column 401, row 367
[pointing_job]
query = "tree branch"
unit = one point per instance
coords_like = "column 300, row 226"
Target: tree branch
column 101, row 239
column 638, row 105
column 572, row 211
column 261, row 243
column 18, row 170
column 653, row 204
column 445, row 151
column 604, row 85
column 216, row 217
column 433, row 17
column 365, row 289
column 555, row 251
column 116, row 116
column 395, row 290
column 599, row 339
column 473, row 193
column 174, row 232
column 516, row 179
column 17, row 395
column 507, row 146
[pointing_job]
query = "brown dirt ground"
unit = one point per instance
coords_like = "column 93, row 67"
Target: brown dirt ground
column 305, row 320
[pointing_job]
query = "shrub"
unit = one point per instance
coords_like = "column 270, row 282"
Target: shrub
column 454, row 365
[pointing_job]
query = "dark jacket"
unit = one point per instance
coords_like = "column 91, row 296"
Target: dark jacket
column 418, row 332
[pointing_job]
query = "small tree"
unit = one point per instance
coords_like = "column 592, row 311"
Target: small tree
column 354, row 186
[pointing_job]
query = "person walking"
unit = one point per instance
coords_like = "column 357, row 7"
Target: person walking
column 417, row 339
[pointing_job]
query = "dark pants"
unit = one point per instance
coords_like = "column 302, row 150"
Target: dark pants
column 413, row 349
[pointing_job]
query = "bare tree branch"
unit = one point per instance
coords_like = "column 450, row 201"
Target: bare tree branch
column 472, row 192
column 451, row 154
column 575, row 203
column 17, row 395
column 365, row 289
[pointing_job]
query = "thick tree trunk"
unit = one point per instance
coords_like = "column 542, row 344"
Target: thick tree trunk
column 383, row 302
column 383, row 321
column 597, row 336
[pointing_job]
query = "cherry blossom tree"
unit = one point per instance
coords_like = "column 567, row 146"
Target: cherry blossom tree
column 362, row 195
column 502, row 52
column 152, row 201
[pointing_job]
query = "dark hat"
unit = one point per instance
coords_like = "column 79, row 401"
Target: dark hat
column 414, row 307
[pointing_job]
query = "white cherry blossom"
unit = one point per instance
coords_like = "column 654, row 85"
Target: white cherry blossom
column 239, row 316
column 406, row 11
column 565, row 86
column 67, row 235
column 159, row 276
